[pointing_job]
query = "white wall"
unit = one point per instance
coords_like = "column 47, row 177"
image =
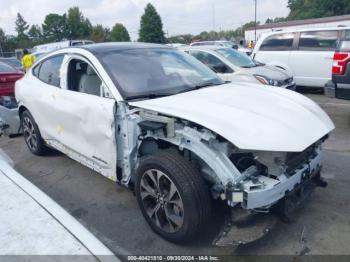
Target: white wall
column 250, row 35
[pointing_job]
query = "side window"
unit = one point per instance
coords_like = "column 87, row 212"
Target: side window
column 347, row 35
column 83, row 78
column 212, row 62
column 278, row 42
column 318, row 40
column 49, row 70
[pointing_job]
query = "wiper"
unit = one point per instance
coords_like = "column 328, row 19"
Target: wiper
column 199, row 86
column 147, row 96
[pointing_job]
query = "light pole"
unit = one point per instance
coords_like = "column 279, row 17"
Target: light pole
column 255, row 18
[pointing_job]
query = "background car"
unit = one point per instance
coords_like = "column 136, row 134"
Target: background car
column 306, row 53
column 12, row 61
column 229, row 44
column 8, row 77
column 232, row 65
column 341, row 69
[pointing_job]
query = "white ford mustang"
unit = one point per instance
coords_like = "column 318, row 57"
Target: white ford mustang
column 159, row 122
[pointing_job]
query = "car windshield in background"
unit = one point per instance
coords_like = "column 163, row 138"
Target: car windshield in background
column 228, row 44
column 237, row 58
column 155, row 72
column 4, row 68
column 11, row 61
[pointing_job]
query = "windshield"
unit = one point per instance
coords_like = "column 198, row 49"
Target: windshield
column 153, row 72
column 237, row 58
column 228, row 44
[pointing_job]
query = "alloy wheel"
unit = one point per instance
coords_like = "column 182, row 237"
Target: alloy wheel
column 29, row 133
column 162, row 201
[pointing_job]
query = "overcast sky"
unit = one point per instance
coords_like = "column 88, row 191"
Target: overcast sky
column 179, row 16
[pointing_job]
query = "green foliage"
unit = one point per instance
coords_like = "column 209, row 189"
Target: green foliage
column 55, row 27
column 78, row 27
column 119, row 33
column 100, row 34
column 304, row 9
column 276, row 20
column 21, row 27
column 151, row 26
column 35, row 34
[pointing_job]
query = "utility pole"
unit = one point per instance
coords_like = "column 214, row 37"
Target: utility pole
column 255, row 18
column 213, row 7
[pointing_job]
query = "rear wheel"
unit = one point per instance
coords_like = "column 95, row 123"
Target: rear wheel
column 172, row 196
column 32, row 135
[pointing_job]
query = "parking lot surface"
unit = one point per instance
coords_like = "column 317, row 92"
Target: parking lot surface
column 321, row 226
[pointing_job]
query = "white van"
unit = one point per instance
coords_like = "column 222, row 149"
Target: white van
column 45, row 48
column 306, row 53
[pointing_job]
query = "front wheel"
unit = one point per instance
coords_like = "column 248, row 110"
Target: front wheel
column 172, row 196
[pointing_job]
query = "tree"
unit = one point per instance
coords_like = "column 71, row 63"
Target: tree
column 35, row 34
column 304, row 9
column 77, row 25
column 21, row 27
column 119, row 33
column 151, row 26
column 99, row 34
column 55, row 27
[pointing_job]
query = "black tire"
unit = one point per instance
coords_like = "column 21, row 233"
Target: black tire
column 32, row 135
column 191, row 190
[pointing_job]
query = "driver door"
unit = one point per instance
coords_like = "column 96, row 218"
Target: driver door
column 84, row 123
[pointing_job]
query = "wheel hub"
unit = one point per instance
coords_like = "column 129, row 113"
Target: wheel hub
column 162, row 200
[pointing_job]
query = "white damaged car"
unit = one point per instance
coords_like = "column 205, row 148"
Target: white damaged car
column 158, row 121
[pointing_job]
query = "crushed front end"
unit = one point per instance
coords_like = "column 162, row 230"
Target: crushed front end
column 272, row 186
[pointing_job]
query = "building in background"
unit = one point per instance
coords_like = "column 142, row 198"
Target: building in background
column 333, row 21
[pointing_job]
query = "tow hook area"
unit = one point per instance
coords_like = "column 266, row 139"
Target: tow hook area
column 244, row 227
column 287, row 206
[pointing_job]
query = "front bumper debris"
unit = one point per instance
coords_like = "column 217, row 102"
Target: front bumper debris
column 245, row 230
column 252, row 226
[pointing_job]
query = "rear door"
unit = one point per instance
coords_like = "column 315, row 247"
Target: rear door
column 312, row 60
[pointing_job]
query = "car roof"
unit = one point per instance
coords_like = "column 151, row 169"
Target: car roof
column 264, row 35
column 204, row 47
column 119, row 46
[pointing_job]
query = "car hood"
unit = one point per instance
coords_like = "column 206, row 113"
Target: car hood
column 250, row 116
column 271, row 72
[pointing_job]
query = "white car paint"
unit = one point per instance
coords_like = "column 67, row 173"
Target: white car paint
column 252, row 117
column 112, row 135
column 310, row 68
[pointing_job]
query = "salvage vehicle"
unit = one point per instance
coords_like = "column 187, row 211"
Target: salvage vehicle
column 159, row 122
column 232, row 65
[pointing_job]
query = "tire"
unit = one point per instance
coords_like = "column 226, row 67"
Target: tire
column 183, row 214
column 32, row 135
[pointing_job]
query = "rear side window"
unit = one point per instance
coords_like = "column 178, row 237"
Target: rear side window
column 318, row 40
column 278, row 42
column 49, row 71
column 347, row 35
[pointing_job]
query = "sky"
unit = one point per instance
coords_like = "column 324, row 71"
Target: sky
column 178, row 16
